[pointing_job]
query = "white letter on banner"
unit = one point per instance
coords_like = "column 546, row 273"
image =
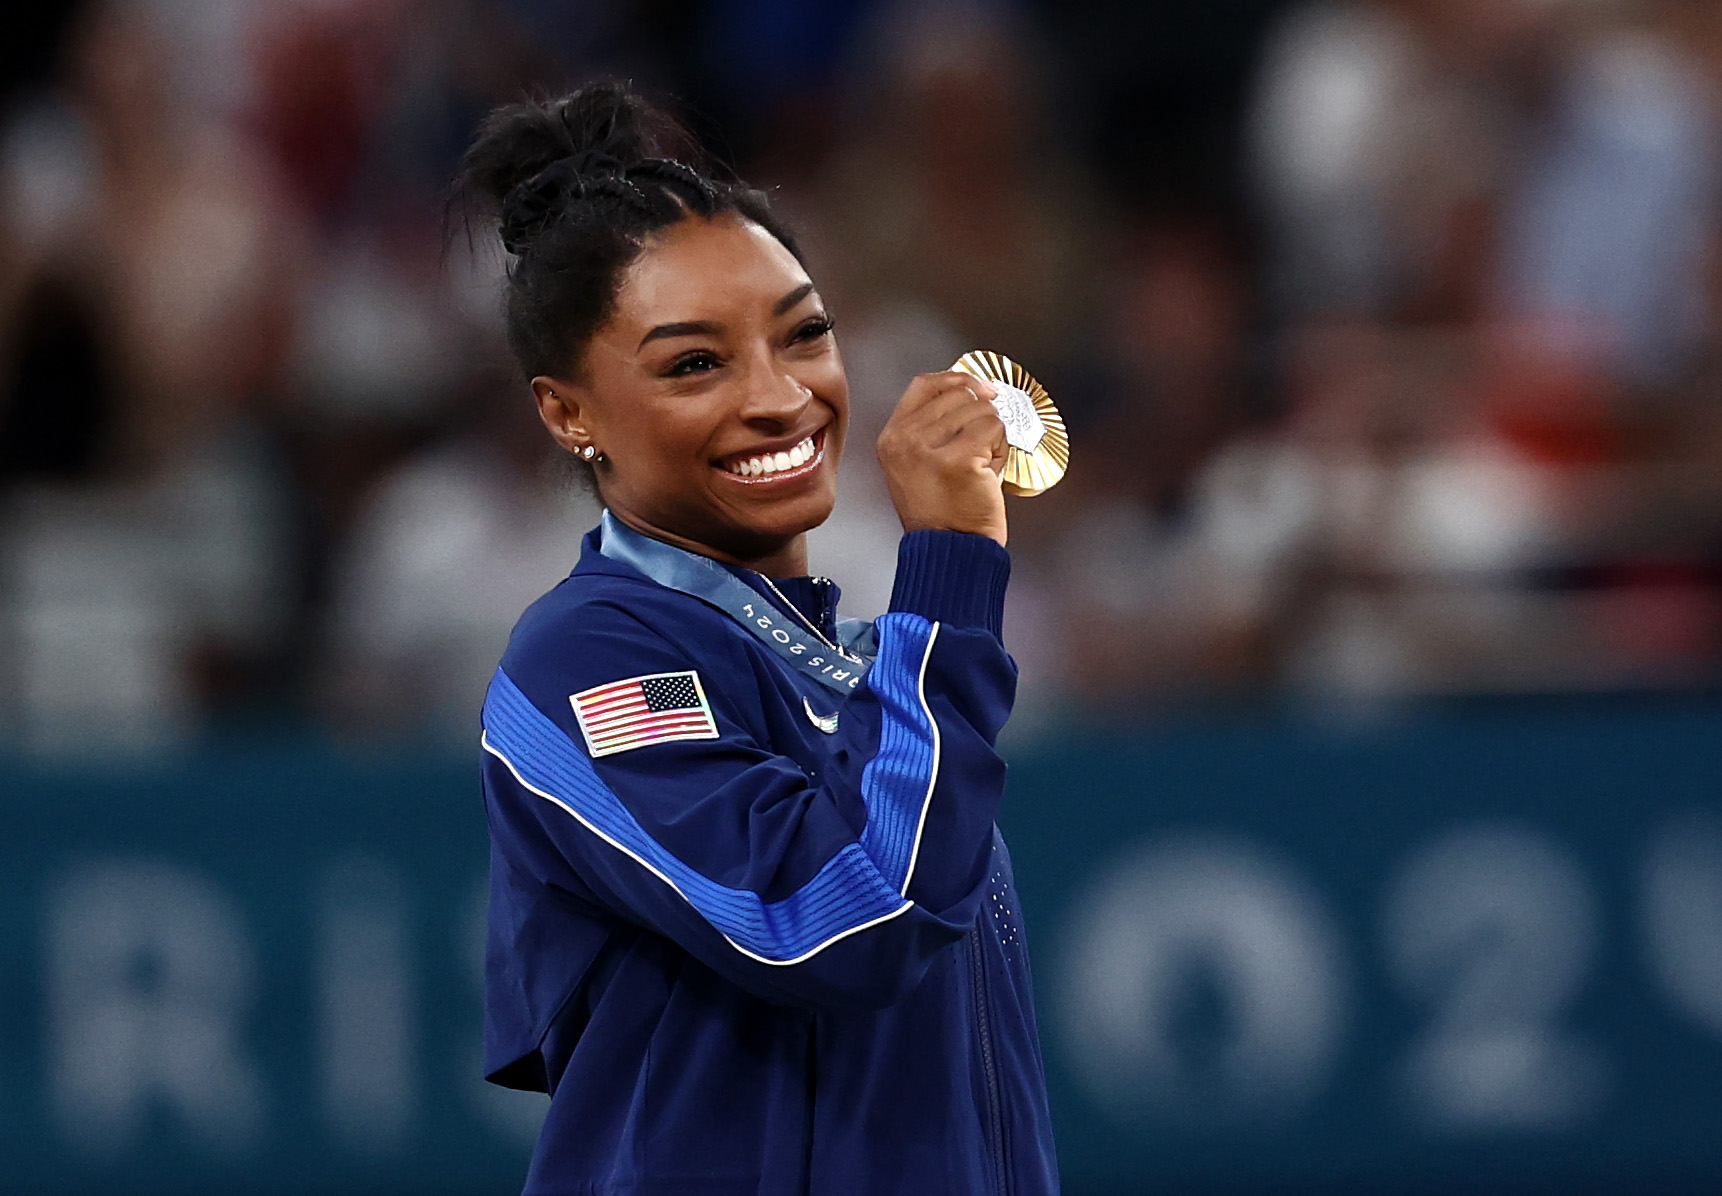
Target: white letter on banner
column 1682, row 915
column 1204, row 984
column 1494, row 927
column 149, row 974
column 364, row 1005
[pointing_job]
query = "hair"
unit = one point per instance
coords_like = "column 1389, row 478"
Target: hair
column 578, row 185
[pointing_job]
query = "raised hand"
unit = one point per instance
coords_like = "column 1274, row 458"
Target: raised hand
column 942, row 452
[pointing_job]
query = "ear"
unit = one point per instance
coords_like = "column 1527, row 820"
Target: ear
column 562, row 407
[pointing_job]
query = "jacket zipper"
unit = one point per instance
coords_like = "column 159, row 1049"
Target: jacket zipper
column 989, row 1065
column 808, row 623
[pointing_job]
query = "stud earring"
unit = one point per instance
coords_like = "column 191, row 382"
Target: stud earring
column 588, row 453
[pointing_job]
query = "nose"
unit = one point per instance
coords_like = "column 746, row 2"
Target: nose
column 775, row 396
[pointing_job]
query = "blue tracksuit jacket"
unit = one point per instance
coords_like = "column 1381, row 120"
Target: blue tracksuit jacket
column 751, row 923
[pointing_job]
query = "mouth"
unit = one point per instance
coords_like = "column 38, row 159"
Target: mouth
column 796, row 461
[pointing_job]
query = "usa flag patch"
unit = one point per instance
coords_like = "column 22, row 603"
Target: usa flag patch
column 657, row 708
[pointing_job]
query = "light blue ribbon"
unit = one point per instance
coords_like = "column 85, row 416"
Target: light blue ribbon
column 838, row 666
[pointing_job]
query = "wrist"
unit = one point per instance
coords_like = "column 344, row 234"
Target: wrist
column 958, row 578
column 997, row 536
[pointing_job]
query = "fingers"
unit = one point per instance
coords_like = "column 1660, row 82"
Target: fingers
column 966, row 421
column 947, row 417
column 938, row 407
column 942, row 451
column 947, row 385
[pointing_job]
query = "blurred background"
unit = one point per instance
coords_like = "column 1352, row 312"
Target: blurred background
column 1366, row 770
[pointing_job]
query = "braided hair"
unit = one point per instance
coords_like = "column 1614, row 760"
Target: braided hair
column 578, row 186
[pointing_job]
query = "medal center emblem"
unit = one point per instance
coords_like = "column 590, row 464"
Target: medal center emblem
column 1024, row 429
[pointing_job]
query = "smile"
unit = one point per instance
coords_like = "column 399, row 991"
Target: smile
column 793, row 462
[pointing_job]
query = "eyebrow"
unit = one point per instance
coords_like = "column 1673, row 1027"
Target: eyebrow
column 790, row 300
column 691, row 328
column 707, row 328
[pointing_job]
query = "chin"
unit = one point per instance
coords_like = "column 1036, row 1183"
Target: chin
column 759, row 533
column 795, row 519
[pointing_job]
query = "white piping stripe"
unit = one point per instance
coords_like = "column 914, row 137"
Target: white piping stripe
column 933, row 774
column 484, row 741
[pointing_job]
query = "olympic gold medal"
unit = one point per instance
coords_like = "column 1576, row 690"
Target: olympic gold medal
column 1039, row 446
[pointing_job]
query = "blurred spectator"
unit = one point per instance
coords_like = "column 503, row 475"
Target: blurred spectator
column 1426, row 159
column 1491, row 230
column 1174, row 389
column 450, row 547
column 1383, row 132
column 950, row 191
column 148, row 257
column 1440, row 418
column 949, row 217
column 1606, row 238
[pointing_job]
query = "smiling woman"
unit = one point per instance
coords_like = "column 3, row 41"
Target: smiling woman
column 717, row 394
column 751, row 922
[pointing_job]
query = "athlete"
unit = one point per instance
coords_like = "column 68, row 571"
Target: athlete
column 752, row 926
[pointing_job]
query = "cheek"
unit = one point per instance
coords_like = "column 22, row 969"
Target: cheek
column 828, row 381
column 662, row 431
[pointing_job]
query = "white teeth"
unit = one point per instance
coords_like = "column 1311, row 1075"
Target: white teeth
column 766, row 463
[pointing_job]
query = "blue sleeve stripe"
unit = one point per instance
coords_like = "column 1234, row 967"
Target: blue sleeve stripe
column 897, row 783
column 847, row 895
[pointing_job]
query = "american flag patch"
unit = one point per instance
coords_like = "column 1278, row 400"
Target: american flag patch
column 659, row 708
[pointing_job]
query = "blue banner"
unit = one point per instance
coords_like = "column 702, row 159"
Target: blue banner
column 1475, row 951
column 1479, row 952
column 255, row 971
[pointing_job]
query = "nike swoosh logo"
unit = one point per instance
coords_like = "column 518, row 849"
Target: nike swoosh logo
column 825, row 722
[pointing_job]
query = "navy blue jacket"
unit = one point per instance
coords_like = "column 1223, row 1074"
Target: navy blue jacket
column 751, row 923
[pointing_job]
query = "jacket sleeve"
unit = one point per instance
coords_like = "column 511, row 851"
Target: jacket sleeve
column 824, row 886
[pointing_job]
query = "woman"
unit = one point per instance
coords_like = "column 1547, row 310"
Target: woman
column 751, row 924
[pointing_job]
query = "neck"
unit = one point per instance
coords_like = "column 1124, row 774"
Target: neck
column 788, row 559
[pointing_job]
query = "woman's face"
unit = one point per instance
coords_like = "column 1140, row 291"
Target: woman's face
column 716, row 394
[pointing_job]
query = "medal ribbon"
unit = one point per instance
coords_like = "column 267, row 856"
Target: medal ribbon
column 703, row 578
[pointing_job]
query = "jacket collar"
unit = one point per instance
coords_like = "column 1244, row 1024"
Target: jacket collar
column 837, row 662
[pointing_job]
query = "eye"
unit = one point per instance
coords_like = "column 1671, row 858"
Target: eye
column 813, row 328
column 696, row 361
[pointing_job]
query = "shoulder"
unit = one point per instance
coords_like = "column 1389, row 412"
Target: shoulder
column 588, row 607
column 596, row 628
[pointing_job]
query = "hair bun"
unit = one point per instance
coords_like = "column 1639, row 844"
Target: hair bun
column 532, row 155
column 577, row 187
column 594, row 163
column 532, row 203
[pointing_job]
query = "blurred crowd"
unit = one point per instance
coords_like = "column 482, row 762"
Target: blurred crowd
column 1391, row 352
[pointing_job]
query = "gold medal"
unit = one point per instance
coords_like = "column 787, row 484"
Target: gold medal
column 1039, row 450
